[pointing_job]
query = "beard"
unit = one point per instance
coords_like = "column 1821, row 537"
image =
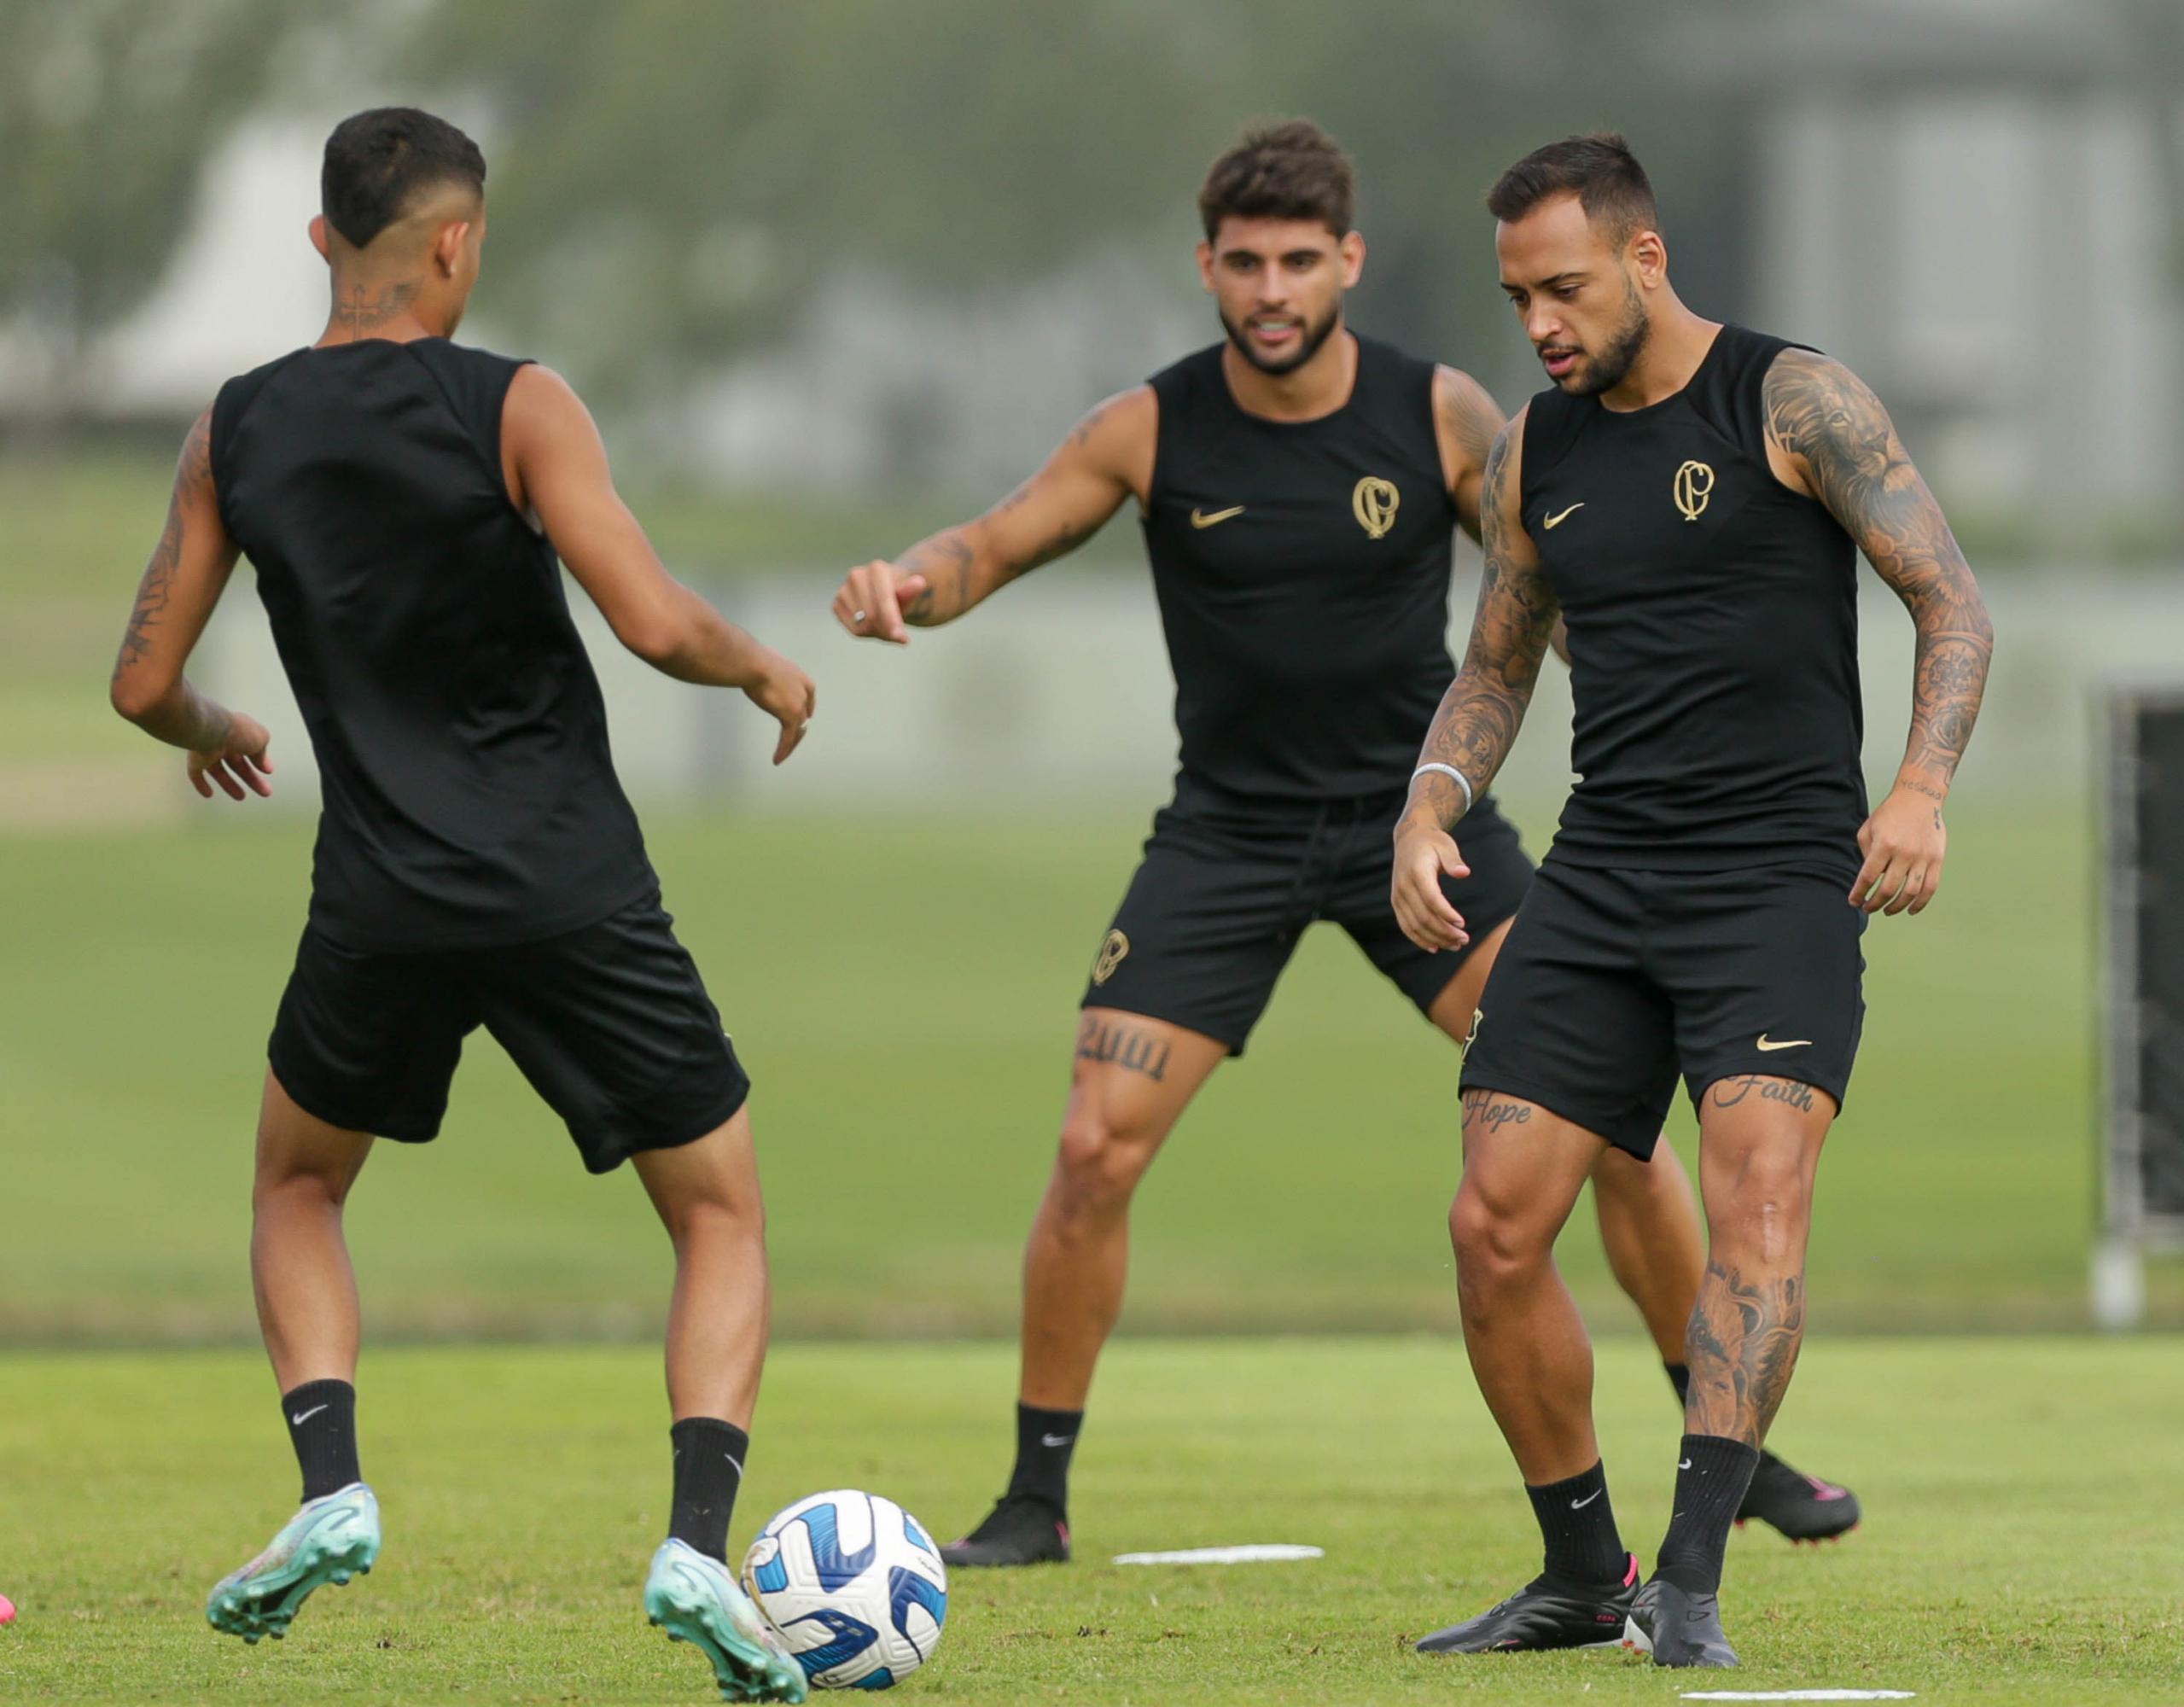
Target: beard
column 1608, row 369
column 1307, row 347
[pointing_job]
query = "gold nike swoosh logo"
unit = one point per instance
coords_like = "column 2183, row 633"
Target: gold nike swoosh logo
column 1556, row 521
column 1200, row 519
column 1786, row 1043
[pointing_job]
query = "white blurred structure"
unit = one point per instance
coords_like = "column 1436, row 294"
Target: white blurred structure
column 1059, row 689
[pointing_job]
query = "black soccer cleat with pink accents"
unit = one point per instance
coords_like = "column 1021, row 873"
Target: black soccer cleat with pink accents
column 1803, row 1508
column 1021, row 1530
column 1547, row 1612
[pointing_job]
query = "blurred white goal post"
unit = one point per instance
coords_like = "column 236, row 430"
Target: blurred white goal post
column 2142, row 973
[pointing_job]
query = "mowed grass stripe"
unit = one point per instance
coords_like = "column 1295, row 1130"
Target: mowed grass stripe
column 2020, row 1546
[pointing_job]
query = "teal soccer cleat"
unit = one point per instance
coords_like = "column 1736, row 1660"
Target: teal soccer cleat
column 696, row 1599
column 331, row 1538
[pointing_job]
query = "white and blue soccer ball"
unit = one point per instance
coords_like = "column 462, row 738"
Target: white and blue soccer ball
column 854, row 1585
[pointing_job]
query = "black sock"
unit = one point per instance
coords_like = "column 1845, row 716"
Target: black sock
column 1680, row 1378
column 709, row 1457
column 322, row 1419
column 1045, row 1440
column 1579, row 1526
column 1710, row 1484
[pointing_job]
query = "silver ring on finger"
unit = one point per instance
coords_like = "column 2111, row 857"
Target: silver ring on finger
column 856, row 617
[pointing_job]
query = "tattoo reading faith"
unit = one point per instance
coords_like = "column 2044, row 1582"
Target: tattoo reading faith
column 157, row 587
column 1491, row 1113
column 1728, row 1092
column 1819, row 411
column 1128, row 1048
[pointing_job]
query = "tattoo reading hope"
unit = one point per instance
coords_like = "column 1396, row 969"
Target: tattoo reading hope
column 1483, row 1108
column 1133, row 1050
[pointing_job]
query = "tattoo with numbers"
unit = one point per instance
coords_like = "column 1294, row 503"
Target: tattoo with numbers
column 1126, row 1046
column 1819, row 411
column 1479, row 715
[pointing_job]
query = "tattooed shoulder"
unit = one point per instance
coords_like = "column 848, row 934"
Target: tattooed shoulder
column 1468, row 416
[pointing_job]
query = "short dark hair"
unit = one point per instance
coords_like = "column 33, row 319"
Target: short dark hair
column 1290, row 171
column 377, row 160
column 1599, row 170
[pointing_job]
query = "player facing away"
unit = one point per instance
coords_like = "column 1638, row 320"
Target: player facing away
column 1692, row 498
column 1299, row 487
column 404, row 500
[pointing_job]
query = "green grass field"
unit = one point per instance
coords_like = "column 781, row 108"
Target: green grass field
column 903, row 994
column 2016, row 1549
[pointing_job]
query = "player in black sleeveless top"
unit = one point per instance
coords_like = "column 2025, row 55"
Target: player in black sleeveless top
column 407, row 503
column 1298, row 487
column 1691, row 499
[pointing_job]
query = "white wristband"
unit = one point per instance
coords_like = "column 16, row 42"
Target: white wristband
column 1462, row 782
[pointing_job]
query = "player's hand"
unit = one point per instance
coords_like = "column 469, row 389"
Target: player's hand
column 786, row 694
column 1903, row 843
column 870, row 602
column 1425, row 854
column 239, row 765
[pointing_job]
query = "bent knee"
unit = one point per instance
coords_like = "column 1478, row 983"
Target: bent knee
column 1100, row 1158
column 1492, row 1242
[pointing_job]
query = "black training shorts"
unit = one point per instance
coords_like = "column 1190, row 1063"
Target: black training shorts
column 1611, row 983
column 610, row 1023
column 1229, row 885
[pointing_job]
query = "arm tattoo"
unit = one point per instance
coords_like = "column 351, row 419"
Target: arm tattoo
column 200, row 725
column 1080, row 435
column 1744, row 1339
column 945, row 561
column 1480, row 714
column 949, row 562
column 157, row 587
column 360, row 311
column 1821, row 413
column 1469, row 419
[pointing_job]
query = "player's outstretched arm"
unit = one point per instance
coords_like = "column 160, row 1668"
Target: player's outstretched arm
column 1842, row 449
column 1107, row 458
column 1480, row 714
column 182, row 584
column 555, row 465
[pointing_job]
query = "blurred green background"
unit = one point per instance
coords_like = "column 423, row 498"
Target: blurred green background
column 834, row 273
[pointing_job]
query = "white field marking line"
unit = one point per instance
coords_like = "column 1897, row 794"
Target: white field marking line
column 1265, row 1553
column 1800, row 1695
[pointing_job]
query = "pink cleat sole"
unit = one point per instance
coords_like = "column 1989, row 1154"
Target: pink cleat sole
column 6, row 1610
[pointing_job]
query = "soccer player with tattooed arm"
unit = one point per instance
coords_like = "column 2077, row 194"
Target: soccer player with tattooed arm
column 1299, row 486
column 408, row 503
column 1690, row 498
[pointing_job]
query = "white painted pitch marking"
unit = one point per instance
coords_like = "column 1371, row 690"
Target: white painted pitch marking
column 1800, row 1695
column 1224, row 1555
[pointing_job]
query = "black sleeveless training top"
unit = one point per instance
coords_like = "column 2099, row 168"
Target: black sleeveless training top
column 1303, row 571
column 469, row 799
column 1712, row 619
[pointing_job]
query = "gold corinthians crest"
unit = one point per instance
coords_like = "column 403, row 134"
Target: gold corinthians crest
column 1694, row 485
column 1373, row 503
column 1110, row 956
